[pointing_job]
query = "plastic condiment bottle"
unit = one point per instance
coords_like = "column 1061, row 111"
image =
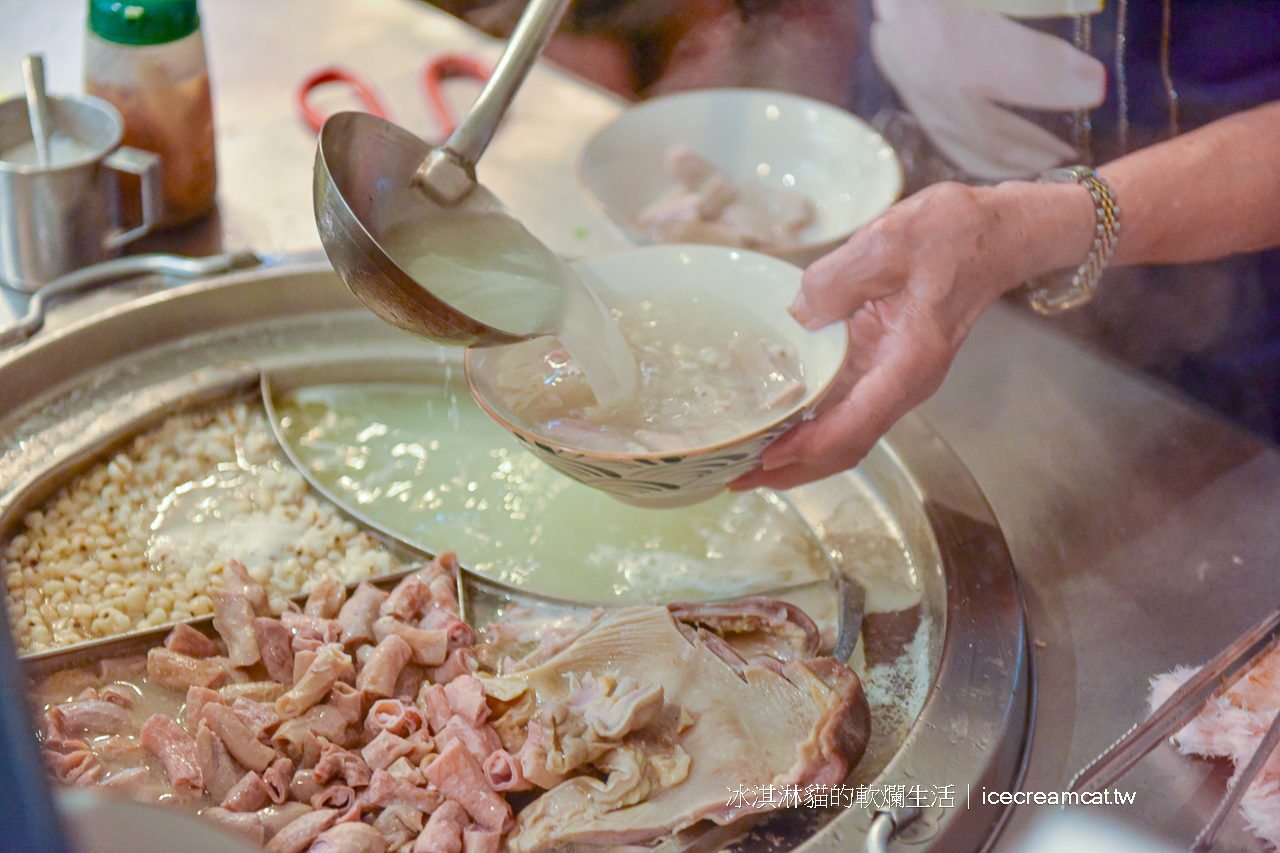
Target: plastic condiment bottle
column 147, row 58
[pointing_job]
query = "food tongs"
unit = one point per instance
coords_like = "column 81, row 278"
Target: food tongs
column 1213, row 679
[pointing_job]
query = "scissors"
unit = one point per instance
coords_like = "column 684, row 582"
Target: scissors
column 434, row 73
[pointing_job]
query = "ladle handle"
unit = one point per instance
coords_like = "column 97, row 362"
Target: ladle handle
column 533, row 30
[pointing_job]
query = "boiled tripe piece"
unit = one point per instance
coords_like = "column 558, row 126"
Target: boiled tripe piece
column 724, row 723
column 706, row 206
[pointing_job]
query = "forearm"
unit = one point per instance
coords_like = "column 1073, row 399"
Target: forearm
column 1207, row 194
column 1040, row 227
column 1204, row 195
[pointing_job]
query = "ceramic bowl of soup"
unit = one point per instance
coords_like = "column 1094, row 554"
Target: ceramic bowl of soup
column 724, row 370
column 764, row 170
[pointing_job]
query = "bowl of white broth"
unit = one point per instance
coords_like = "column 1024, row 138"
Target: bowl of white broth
column 721, row 367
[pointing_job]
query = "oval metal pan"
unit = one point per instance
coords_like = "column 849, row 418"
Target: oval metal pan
column 974, row 724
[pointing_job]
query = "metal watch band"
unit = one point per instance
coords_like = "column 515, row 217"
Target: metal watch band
column 1063, row 290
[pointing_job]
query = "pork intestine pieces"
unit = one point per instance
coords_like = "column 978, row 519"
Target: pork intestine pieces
column 295, row 714
column 705, row 206
column 619, row 731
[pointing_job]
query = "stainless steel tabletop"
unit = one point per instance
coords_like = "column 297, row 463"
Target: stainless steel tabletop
column 1142, row 525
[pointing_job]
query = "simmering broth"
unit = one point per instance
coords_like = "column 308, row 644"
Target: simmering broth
column 424, row 461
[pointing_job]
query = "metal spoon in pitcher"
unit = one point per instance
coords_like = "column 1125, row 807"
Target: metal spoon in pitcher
column 38, row 107
column 383, row 196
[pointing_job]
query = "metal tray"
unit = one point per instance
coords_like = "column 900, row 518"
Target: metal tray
column 100, row 376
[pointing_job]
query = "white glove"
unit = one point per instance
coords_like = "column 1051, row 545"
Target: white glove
column 952, row 63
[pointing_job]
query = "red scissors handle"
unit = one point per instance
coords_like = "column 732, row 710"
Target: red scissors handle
column 360, row 86
column 445, row 67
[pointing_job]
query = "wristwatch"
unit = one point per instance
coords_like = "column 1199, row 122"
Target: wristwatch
column 1062, row 290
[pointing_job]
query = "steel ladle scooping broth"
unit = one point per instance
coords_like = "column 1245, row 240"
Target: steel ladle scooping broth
column 431, row 251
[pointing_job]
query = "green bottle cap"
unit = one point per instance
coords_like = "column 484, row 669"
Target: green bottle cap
column 143, row 21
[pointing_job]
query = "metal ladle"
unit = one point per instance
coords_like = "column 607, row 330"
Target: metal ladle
column 372, row 176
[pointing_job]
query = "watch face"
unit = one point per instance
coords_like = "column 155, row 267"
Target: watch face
column 1060, row 290
column 1066, row 174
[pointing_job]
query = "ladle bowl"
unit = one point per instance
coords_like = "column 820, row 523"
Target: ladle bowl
column 365, row 194
column 364, row 186
column 372, row 176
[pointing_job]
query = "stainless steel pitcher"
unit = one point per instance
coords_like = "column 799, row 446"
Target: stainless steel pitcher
column 66, row 215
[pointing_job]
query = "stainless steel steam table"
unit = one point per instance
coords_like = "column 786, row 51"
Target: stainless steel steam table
column 1142, row 526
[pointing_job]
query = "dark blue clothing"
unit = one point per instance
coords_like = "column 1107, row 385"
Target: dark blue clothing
column 1212, row 329
column 1224, row 57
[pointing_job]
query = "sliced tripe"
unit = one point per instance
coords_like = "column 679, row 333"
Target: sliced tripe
column 780, row 386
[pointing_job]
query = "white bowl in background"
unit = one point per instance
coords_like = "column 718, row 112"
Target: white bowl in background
column 759, row 283
column 779, row 139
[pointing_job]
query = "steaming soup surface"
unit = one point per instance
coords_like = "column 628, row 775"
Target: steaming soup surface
column 710, row 372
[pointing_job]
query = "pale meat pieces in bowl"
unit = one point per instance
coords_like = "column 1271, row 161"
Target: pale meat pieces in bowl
column 784, row 143
column 365, row 723
column 706, row 206
column 701, row 384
